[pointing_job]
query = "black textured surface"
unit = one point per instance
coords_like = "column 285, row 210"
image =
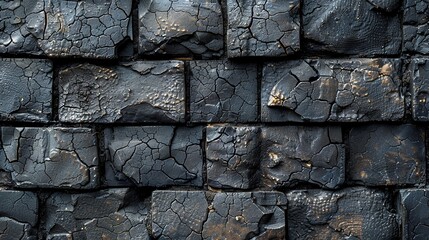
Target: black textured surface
column 415, row 212
column 419, row 73
column 415, row 29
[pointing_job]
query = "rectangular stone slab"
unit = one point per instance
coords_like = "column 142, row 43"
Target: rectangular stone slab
column 414, row 211
column 419, row 73
column 415, row 27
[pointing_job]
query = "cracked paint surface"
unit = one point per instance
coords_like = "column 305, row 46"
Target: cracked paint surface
column 299, row 154
column 233, row 156
column 354, row 213
column 141, row 91
column 156, row 155
column 51, row 157
column 419, row 73
column 387, row 155
column 18, row 215
column 223, row 91
column 415, row 29
column 354, row 27
column 88, row 28
column 358, row 90
column 415, row 211
column 25, row 89
column 118, row 213
column 191, row 28
column 263, row 27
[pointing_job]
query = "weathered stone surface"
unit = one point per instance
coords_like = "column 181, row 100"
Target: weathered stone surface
column 356, row 27
column 222, row 91
column 233, row 156
column 130, row 92
column 382, row 155
column 156, row 155
column 183, row 28
column 332, row 90
column 355, row 213
column 263, row 27
column 50, row 157
column 18, row 215
column 25, row 89
column 299, row 154
column 415, row 29
column 419, row 73
column 414, row 211
column 107, row 214
column 88, row 28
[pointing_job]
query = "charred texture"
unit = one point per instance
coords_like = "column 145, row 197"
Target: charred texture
column 419, row 73
column 415, row 29
column 191, row 28
column 263, row 27
column 130, row 92
column 222, row 91
column 383, row 155
column 414, row 210
column 333, row 90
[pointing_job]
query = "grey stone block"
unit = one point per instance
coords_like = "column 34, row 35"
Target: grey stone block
column 414, row 210
column 18, row 215
column 107, row 214
column 415, row 27
column 156, row 155
column 299, row 154
column 191, row 28
column 387, row 155
column 419, row 73
column 356, row 90
column 129, row 92
column 355, row 213
column 87, row 28
column 222, row 91
column 50, row 157
column 268, row 28
column 354, row 27
column 25, row 89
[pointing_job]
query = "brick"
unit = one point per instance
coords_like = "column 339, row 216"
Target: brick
column 155, row 155
column 419, row 73
column 63, row 28
column 141, row 91
column 263, row 28
column 191, row 28
column 415, row 30
column 222, row 91
column 25, row 89
column 118, row 213
column 51, row 157
column 355, row 213
column 414, row 211
column 357, row 90
column 357, row 27
column 387, row 155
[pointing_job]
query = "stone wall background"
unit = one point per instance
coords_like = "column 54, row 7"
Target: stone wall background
column 206, row 119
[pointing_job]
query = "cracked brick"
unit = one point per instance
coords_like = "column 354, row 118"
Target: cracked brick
column 141, row 91
column 387, row 155
column 233, row 156
column 414, row 211
column 87, row 28
column 355, row 213
column 118, row 213
column 357, row 90
column 18, row 215
column 358, row 27
column 297, row 154
column 263, row 28
column 25, row 89
column 155, row 155
column 222, row 91
column 419, row 73
column 189, row 28
column 415, row 27
column 51, row 157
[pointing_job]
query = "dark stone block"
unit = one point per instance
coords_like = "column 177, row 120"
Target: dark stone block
column 18, row 215
column 414, row 211
column 223, row 91
column 382, row 155
column 355, row 213
column 87, row 28
column 332, row 90
column 298, row 154
column 25, row 89
column 183, row 28
column 50, row 157
column 419, row 73
column 130, row 92
column 108, row 214
column 415, row 29
column 355, row 27
column 263, row 27
column 156, row 155
column 233, row 156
